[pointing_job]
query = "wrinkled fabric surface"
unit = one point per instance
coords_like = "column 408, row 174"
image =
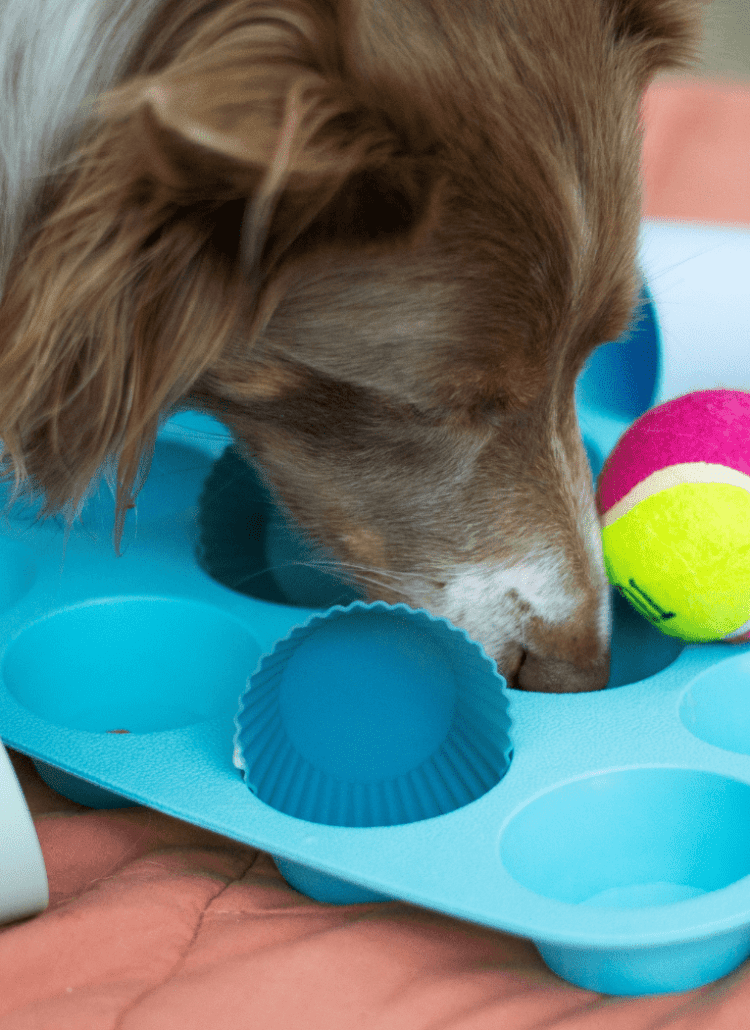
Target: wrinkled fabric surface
column 157, row 925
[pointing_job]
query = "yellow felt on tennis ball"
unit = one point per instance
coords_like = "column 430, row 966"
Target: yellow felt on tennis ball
column 674, row 503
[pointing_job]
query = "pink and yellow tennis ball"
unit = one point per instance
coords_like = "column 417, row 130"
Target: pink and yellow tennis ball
column 674, row 503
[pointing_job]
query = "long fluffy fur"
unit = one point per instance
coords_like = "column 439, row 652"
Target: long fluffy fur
column 224, row 203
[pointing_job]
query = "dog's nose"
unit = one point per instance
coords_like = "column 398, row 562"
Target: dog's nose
column 556, row 676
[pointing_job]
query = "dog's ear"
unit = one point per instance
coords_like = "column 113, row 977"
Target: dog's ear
column 267, row 115
column 193, row 180
column 662, row 34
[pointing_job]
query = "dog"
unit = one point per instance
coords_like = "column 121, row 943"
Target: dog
column 378, row 239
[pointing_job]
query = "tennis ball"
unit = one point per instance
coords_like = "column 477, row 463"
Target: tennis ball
column 674, row 503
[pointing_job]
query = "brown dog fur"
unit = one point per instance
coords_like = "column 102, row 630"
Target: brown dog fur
column 378, row 238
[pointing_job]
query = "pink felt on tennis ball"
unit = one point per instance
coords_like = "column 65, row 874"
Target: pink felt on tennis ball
column 674, row 503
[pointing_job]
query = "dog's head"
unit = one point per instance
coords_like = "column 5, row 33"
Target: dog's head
column 379, row 239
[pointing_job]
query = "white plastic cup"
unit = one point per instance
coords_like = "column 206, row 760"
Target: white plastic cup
column 23, row 877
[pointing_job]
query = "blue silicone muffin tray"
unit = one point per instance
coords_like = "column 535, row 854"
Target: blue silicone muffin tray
column 618, row 839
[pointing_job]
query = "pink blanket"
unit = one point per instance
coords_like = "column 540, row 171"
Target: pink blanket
column 155, row 925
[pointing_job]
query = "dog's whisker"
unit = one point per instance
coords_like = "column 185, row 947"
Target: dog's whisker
column 354, row 568
column 359, row 573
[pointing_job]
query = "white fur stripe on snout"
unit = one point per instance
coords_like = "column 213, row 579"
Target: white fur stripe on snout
column 492, row 601
column 675, row 475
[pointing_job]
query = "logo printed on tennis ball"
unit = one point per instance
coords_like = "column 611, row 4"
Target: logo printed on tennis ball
column 646, row 605
column 674, row 503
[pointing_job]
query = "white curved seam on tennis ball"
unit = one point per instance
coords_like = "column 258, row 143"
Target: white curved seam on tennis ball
column 744, row 628
column 675, row 475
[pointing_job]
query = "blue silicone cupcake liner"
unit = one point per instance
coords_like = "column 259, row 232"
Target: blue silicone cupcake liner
column 373, row 715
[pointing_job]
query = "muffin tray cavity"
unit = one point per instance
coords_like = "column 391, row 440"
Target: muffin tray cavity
column 374, row 750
